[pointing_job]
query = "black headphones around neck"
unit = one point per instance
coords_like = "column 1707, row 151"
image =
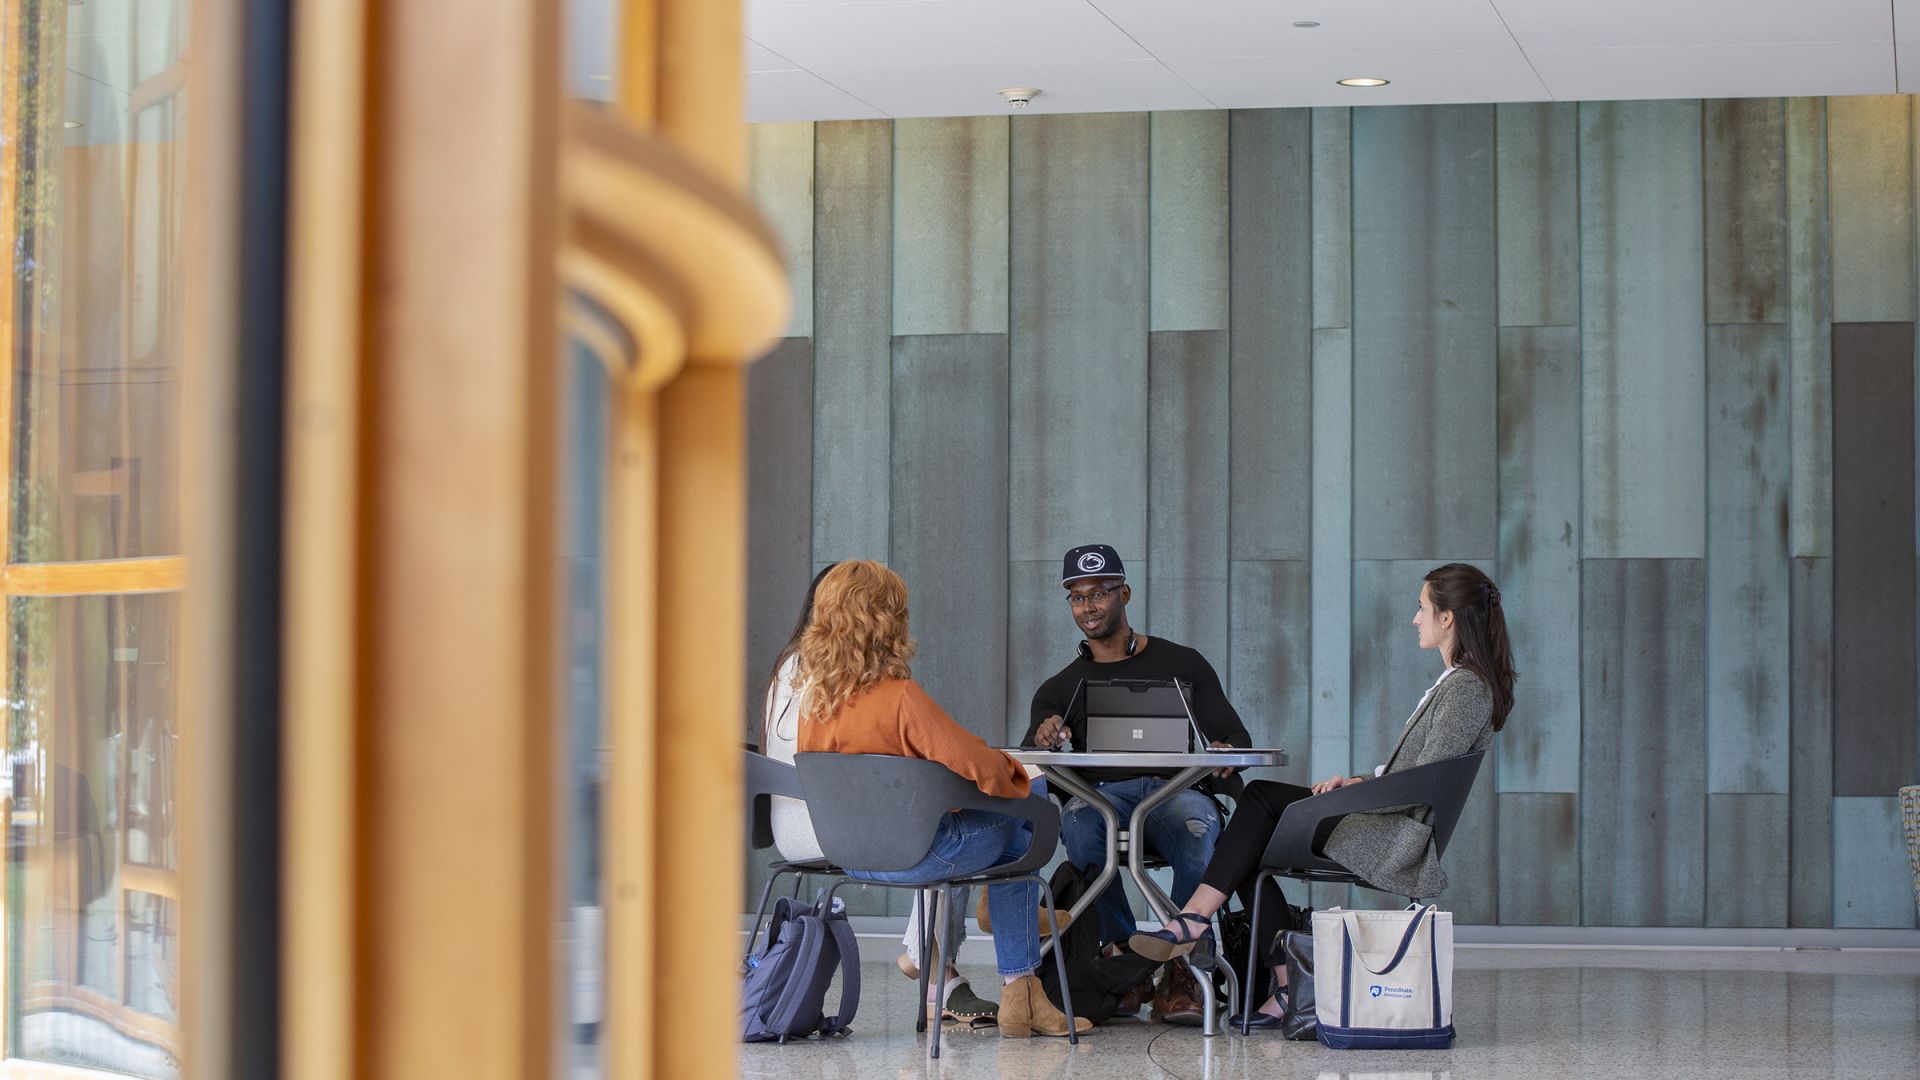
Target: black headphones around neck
column 1086, row 647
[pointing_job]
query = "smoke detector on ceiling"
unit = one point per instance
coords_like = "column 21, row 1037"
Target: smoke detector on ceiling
column 1019, row 96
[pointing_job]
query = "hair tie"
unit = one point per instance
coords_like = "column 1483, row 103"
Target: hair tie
column 1492, row 596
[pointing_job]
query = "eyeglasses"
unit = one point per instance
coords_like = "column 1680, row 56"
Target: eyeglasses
column 1083, row 599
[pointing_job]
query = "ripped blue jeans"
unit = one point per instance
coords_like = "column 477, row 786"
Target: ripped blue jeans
column 1181, row 830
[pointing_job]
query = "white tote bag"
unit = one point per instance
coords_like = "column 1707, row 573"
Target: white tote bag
column 1383, row 980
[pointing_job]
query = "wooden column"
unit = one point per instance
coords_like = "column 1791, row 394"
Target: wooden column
column 421, row 592
column 678, row 556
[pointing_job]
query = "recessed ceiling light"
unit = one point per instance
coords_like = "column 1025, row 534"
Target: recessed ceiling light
column 1306, row 24
column 599, row 78
column 71, row 124
column 1363, row 82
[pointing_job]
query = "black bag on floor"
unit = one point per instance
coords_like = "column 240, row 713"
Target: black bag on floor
column 1302, row 1023
column 1236, row 930
column 1098, row 982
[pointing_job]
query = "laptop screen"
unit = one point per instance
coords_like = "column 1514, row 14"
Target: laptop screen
column 1140, row 715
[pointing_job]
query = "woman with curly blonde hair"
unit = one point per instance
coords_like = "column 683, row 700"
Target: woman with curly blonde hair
column 861, row 699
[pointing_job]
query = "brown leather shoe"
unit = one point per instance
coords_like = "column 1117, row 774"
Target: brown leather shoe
column 1025, row 1011
column 1178, row 999
column 1064, row 918
column 1136, row 995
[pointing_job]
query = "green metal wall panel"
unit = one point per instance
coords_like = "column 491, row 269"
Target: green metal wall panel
column 1870, row 178
column 1873, row 559
column 1810, row 843
column 1643, row 351
column 1745, row 157
column 1748, row 585
column 1269, row 657
column 779, row 508
column 1187, row 488
column 1332, row 217
column 950, row 225
column 1872, row 879
column 1539, row 563
column 1079, row 348
column 1188, row 221
column 1747, row 865
column 1424, row 348
column 1643, row 742
column 852, row 345
column 1810, row 322
column 1272, row 338
column 1539, row 855
column 1332, row 562
column 1537, row 146
column 949, row 506
column 780, row 165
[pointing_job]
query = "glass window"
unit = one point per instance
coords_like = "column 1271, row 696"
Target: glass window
column 586, row 753
column 593, row 49
column 93, row 165
column 91, row 845
column 97, row 285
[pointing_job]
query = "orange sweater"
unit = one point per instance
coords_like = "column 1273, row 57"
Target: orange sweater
column 897, row 717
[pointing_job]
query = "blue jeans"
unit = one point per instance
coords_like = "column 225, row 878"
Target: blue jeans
column 967, row 842
column 1181, row 830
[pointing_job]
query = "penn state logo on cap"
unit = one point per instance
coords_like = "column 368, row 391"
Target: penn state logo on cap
column 1091, row 561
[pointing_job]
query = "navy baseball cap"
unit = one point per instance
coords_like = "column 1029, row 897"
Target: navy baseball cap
column 1091, row 561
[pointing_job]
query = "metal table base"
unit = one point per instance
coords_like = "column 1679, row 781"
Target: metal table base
column 1063, row 768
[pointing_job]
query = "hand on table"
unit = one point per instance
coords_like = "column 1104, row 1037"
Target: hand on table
column 1334, row 782
column 1226, row 770
column 1051, row 734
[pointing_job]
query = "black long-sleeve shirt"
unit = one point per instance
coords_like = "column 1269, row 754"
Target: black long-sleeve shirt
column 1158, row 658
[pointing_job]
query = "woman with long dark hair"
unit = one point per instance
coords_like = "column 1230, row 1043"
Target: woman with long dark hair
column 780, row 728
column 1459, row 615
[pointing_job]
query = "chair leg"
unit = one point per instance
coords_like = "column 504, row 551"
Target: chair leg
column 923, row 903
column 1260, row 882
column 760, row 914
column 946, row 946
column 1233, row 985
column 1060, row 967
column 826, row 897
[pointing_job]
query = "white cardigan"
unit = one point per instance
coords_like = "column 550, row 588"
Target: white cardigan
column 792, row 828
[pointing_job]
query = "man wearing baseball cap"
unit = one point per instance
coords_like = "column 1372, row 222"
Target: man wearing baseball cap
column 1183, row 829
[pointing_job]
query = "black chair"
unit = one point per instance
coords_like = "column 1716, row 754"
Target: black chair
column 1295, row 848
column 877, row 812
column 766, row 778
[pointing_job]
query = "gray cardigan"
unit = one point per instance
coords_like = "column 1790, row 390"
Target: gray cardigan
column 1393, row 847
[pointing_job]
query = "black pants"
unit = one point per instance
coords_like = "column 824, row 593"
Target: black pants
column 1236, row 856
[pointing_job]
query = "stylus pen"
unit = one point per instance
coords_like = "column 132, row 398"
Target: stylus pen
column 1066, row 716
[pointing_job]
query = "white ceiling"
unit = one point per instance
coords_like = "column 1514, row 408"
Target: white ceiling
column 850, row 59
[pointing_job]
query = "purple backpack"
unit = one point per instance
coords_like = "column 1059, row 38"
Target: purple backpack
column 786, row 989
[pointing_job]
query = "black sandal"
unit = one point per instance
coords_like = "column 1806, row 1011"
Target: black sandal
column 1161, row 946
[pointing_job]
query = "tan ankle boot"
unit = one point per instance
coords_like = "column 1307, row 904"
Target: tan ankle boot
column 1025, row 1011
column 1060, row 918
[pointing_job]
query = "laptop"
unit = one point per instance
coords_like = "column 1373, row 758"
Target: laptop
column 1140, row 715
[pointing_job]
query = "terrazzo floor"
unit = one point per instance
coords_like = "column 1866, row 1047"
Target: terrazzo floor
column 1537, row 1014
